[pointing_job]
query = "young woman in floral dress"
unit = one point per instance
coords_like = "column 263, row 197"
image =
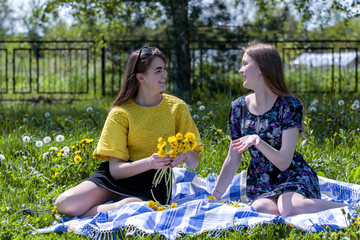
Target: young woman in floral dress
column 268, row 122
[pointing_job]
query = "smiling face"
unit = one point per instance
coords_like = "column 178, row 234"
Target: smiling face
column 250, row 72
column 153, row 79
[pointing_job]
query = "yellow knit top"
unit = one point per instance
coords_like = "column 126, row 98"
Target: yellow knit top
column 131, row 131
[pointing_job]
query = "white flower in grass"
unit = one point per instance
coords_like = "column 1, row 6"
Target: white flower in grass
column 202, row 107
column 341, row 102
column 45, row 155
column 89, row 109
column 312, row 109
column 195, row 116
column 2, row 157
column 66, row 149
column 47, row 115
column 47, row 139
column 25, row 119
column 355, row 105
column 26, row 139
column 315, row 102
column 54, row 149
column 39, row 143
column 356, row 102
column 59, row 138
column 199, row 103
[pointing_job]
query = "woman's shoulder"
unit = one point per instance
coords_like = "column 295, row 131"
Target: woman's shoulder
column 291, row 101
column 239, row 102
column 119, row 111
column 173, row 99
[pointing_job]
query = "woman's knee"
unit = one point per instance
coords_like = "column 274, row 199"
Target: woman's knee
column 265, row 206
column 65, row 204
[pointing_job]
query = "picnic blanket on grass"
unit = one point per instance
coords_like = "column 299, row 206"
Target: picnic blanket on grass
column 196, row 214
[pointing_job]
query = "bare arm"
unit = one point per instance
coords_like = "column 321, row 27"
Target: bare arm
column 227, row 173
column 123, row 169
column 280, row 158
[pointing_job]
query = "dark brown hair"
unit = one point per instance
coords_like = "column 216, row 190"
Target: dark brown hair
column 130, row 84
column 271, row 67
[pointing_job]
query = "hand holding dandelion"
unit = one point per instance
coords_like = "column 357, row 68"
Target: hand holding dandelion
column 175, row 148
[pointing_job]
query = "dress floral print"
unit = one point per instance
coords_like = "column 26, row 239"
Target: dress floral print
column 264, row 179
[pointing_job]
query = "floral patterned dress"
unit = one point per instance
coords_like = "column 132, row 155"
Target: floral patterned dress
column 264, row 179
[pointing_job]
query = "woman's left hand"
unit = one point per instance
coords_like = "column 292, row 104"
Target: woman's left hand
column 243, row 143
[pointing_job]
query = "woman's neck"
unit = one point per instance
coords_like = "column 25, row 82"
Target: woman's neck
column 147, row 100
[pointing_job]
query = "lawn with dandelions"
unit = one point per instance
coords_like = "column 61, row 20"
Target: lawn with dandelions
column 46, row 149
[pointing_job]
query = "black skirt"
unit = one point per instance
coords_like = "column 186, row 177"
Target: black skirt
column 139, row 186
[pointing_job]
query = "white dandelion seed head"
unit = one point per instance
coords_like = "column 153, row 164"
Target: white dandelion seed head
column 312, row 109
column 25, row 119
column 202, row 107
column 45, row 155
column 2, row 157
column 26, row 139
column 199, row 103
column 195, row 116
column 47, row 139
column 355, row 105
column 47, row 115
column 39, row 143
column 341, row 102
column 59, row 138
column 356, row 102
column 66, row 149
column 89, row 109
column 315, row 102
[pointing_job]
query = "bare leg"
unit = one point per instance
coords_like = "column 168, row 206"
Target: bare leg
column 292, row 203
column 266, row 205
column 87, row 199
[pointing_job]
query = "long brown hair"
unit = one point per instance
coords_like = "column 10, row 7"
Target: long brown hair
column 271, row 67
column 130, row 85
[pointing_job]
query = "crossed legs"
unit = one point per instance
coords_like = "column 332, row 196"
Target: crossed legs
column 292, row 203
column 88, row 199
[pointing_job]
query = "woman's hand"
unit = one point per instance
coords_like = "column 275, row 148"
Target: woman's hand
column 157, row 162
column 179, row 159
column 243, row 143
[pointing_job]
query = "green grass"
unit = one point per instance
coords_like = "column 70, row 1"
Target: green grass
column 30, row 180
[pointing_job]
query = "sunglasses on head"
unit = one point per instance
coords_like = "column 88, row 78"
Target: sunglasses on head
column 143, row 49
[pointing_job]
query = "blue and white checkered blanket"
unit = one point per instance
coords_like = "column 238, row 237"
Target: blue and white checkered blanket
column 196, row 214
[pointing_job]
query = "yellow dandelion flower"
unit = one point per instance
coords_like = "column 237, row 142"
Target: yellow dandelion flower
column 172, row 153
column 155, row 207
column 329, row 119
column 187, row 145
column 173, row 205
column 61, row 150
column 26, row 115
column 335, row 134
column 89, row 140
column 193, row 145
column 160, row 139
column 181, row 148
column 179, row 136
column 190, row 136
column 162, row 153
column 78, row 151
column 160, row 209
column 72, row 147
column 161, row 144
column 174, row 144
column 77, row 159
column 150, row 203
column 56, row 174
column 82, row 145
column 172, row 139
column 54, row 209
column 80, row 142
column 59, row 154
column 212, row 198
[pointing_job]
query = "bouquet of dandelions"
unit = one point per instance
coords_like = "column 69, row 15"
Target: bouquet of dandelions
column 173, row 146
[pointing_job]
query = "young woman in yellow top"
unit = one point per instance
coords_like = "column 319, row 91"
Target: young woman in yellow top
column 128, row 144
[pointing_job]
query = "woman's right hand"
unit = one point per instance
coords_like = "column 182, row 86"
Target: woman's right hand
column 157, row 162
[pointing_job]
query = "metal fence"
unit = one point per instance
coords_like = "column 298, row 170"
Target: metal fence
column 75, row 70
